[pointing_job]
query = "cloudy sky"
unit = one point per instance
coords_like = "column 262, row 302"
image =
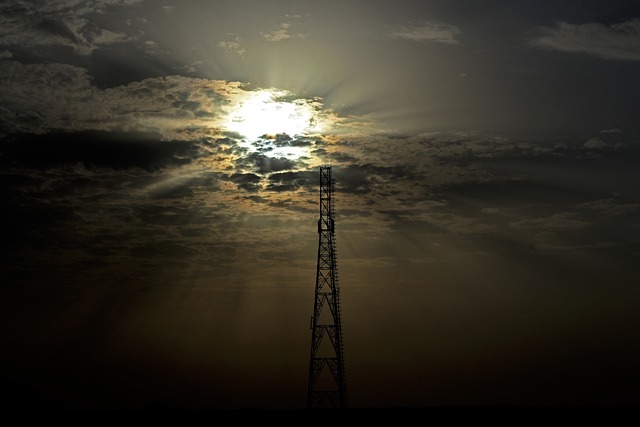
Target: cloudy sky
column 159, row 169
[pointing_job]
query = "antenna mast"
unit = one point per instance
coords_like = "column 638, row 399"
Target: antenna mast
column 327, row 387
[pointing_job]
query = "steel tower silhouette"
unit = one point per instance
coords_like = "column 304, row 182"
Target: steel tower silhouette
column 327, row 386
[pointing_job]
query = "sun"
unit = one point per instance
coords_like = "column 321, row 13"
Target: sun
column 272, row 112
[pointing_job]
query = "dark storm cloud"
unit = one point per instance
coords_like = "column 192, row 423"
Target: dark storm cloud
column 105, row 206
column 44, row 97
column 263, row 164
column 57, row 23
column 35, row 94
column 246, row 181
column 557, row 173
column 493, row 193
column 284, row 140
column 292, row 181
column 124, row 63
column 58, row 28
column 88, row 197
column 336, row 156
column 95, row 150
column 366, row 178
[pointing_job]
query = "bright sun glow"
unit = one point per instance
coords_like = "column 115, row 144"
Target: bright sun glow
column 261, row 113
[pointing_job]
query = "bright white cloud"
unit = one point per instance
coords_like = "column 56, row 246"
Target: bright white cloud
column 618, row 41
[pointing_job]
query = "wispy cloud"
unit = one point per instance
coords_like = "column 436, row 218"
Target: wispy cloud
column 284, row 31
column 612, row 130
column 563, row 220
column 429, row 32
column 618, row 41
column 279, row 34
column 233, row 46
column 612, row 207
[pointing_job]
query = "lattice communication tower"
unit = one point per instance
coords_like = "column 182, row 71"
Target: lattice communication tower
column 327, row 386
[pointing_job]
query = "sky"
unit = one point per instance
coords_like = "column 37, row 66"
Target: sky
column 159, row 176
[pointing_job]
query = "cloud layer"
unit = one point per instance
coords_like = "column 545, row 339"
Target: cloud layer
column 619, row 41
column 429, row 32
